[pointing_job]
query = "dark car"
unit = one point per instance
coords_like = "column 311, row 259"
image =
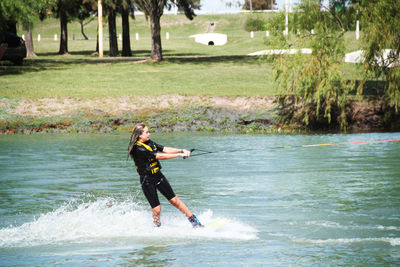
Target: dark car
column 16, row 50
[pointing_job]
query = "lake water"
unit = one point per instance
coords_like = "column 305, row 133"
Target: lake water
column 74, row 200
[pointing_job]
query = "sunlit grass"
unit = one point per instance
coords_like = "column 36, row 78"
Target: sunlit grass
column 189, row 68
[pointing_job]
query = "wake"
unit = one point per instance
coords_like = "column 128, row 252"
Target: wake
column 107, row 219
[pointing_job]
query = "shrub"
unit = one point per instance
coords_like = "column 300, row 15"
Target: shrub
column 254, row 23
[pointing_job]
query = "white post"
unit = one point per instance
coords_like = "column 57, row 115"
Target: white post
column 286, row 18
column 312, row 31
column 357, row 30
column 251, row 34
column 137, row 36
column 267, row 33
column 38, row 37
column 55, row 37
column 167, row 35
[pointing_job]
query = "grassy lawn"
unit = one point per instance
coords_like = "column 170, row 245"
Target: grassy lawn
column 189, row 69
column 74, row 77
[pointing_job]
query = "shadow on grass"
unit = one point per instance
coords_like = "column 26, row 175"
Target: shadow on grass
column 52, row 61
column 238, row 59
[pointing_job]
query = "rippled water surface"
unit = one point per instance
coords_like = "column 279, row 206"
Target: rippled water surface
column 75, row 200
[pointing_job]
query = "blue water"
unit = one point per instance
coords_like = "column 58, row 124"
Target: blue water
column 74, row 200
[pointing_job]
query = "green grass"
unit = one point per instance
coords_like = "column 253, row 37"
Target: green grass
column 178, row 26
column 72, row 77
column 189, row 68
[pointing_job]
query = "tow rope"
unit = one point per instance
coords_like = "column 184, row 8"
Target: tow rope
column 204, row 152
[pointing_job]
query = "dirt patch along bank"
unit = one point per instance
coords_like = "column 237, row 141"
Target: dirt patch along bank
column 174, row 113
column 164, row 113
column 115, row 106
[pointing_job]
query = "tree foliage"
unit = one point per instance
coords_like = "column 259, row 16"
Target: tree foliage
column 23, row 12
column 381, row 32
column 255, row 23
column 259, row 4
column 65, row 11
column 17, row 11
column 312, row 91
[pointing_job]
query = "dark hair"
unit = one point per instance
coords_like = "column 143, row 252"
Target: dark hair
column 136, row 132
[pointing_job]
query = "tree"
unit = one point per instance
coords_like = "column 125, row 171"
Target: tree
column 23, row 12
column 382, row 31
column 195, row 4
column 64, row 30
column 92, row 5
column 111, row 7
column 313, row 92
column 126, row 10
column 259, row 4
column 15, row 11
column 30, row 52
column 65, row 10
column 154, row 9
column 314, row 89
column 85, row 15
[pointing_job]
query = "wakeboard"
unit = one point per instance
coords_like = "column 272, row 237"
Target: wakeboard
column 216, row 224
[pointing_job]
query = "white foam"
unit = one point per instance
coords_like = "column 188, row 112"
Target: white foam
column 393, row 241
column 330, row 224
column 106, row 219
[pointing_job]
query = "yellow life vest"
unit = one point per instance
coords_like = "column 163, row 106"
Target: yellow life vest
column 154, row 165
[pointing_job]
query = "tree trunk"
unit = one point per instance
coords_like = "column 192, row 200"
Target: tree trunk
column 29, row 42
column 126, row 42
column 64, row 34
column 97, row 41
column 112, row 31
column 156, row 49
column 83, row 30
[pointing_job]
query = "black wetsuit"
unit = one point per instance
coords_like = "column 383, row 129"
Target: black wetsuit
column 148, row 167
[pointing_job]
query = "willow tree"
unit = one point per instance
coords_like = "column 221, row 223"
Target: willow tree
column 312, row 89
column 381, row 40
column 154, row 9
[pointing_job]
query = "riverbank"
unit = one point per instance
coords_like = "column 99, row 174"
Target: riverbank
column 114, row 114
column 169, row 113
